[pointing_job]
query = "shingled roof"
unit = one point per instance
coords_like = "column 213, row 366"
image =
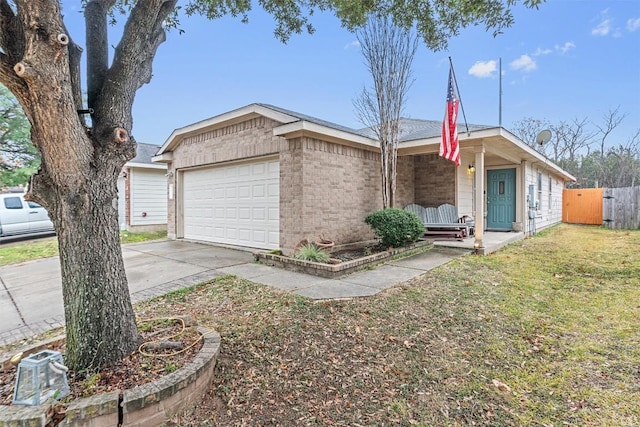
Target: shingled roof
column 410, row 129
column 144, row 153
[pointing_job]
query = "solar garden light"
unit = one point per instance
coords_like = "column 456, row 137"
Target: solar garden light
column 41, row 376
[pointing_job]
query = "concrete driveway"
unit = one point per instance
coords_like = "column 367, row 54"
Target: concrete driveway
column 31, row 292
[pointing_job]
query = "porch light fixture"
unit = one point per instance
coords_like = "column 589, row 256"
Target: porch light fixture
column 472, row 168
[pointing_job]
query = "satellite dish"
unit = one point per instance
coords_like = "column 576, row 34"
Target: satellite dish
column 543, row 137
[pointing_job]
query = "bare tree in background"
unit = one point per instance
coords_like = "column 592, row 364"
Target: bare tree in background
column 610, row 121
column 608, row 165
column 528, row 129
column 388, row 52
column 570, row 139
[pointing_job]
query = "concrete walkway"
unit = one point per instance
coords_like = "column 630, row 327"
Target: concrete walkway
column 31, row 292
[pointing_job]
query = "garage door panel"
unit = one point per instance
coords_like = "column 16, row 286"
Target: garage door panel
column 244, row 192
column 234, row 204
column 274, row 214
column 258, row 191
column 258, row 214
column 260, row 236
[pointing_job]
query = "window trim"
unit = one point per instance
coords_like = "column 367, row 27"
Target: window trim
column 539, row 201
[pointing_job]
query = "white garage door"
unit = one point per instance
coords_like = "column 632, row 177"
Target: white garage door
column 236, row 205
column 121, row 204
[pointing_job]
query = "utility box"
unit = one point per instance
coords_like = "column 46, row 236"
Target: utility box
column 41, row 377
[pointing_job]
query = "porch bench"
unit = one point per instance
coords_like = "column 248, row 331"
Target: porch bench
column 442, row 221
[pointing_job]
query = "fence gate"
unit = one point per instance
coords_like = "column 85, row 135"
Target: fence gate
column 582, row 206
column 621, row 208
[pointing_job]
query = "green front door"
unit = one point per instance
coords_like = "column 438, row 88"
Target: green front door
column 501, row 199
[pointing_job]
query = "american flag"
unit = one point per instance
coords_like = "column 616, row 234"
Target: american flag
column 449, row 148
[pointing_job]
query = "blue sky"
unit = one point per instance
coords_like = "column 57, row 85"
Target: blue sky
column 569, row 59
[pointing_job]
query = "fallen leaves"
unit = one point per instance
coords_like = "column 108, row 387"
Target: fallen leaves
column 500, row 385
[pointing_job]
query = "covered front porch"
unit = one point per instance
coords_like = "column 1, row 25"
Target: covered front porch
column 492, row 241
column 488, row 186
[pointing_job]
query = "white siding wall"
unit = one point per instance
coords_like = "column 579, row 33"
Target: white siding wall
column 122, row 203
column 549, row 210
column 148, row 196
column 464, row 182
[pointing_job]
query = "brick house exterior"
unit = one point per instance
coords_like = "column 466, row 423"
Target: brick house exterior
column 327, row 177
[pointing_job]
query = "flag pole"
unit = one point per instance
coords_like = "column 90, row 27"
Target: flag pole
column 455, row 80
column 500, row 96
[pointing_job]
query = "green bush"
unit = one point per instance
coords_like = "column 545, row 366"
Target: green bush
column 310, row 252
column 395, row 227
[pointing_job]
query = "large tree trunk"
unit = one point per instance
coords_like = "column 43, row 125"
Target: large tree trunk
column 77, row 182
column 100, row 322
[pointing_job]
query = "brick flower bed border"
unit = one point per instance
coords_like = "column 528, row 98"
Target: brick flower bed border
column 331, row 271
column 147, row 405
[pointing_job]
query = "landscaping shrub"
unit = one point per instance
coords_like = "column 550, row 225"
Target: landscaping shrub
column 395, row 227
column 310, row 252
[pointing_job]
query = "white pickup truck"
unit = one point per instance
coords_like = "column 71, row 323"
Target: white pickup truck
column 18, row 216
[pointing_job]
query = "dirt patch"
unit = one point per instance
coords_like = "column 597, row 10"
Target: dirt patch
column 356, row 253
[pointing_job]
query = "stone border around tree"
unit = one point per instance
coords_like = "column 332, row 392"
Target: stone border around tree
column 146, row 405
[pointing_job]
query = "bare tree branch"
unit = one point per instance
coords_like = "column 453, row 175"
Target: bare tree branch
column 131, row 66
column 12, row 34
column 95, row 15
column 388, row 52
column 612, row 120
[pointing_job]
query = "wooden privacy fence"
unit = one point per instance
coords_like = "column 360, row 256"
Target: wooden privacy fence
column 612, row 207
column 621, row 208
column 582, row 206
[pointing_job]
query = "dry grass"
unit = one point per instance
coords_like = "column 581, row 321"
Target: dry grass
column 542, row 333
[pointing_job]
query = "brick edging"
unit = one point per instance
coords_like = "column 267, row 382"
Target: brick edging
column 331, row 271
column 145, row 405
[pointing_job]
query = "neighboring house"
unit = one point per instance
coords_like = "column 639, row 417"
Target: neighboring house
column 142, row 192
column 265, row 177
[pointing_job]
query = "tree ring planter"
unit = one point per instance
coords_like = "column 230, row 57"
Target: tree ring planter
column 146, row 405
column 331, row 271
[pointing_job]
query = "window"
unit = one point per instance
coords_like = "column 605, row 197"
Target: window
column 539, row 200
column 13, row 203
column 550, row 193
column 33, row 205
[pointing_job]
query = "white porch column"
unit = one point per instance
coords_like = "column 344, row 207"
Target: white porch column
column 480, row 199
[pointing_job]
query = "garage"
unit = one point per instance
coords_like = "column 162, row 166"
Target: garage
column 236, row 204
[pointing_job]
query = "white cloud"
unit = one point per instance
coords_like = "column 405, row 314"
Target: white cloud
column 566, row 47
column 524, row 63
column 539, row 51
column 633, row 24
column 483, row 69
column 602, row 29
column 354, row 43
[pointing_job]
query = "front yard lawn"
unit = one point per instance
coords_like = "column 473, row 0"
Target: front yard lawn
column 544, row 332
